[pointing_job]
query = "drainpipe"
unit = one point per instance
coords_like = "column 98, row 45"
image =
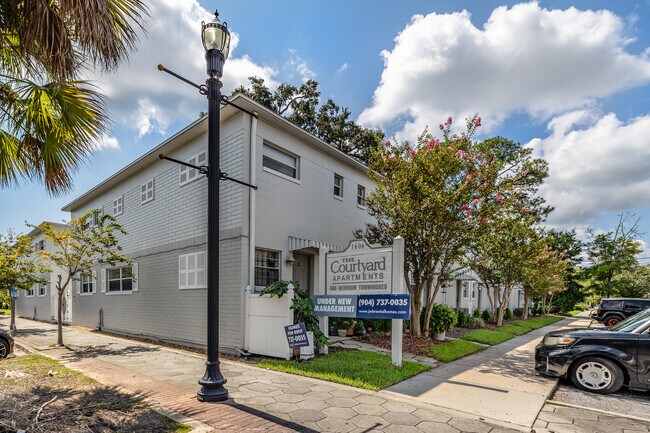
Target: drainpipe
column 251, row 215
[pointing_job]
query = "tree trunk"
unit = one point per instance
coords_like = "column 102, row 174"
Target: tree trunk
column 430, row 302
column 416, row 306
column 59, row 338
column 503, row 303
column 526, row 301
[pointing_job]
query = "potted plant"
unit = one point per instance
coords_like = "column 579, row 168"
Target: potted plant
column 343, row 328
column 359, row 328
column 443, row 319
column 350, row 332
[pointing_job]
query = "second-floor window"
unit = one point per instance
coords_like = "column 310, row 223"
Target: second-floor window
column 188, row 174
column 87, row 284
column 192, row 271
column 30, row 292
column 338, row 185
column 118, row 205
column 279, row 161
column 146, row 192
column 40, row 245
column 361, row 196
column 42, row 289
column 92, row 220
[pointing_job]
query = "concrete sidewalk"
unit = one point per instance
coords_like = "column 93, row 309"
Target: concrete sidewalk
column 498, row 383
column 262, row 400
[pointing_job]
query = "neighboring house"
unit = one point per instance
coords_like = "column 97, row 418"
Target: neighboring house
column 310, row 196
column 41, row 300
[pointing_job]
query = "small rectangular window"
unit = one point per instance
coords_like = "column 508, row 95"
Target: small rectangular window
column 87, row 284
column 41, row 245
column 41, row 289
column 118, row 205
column 120, row 279
column 474, row 292
column 30, row 291
column 187, row 174
column 338, row 185
column 361, row 196
column 91, row 221
column 192, row 271
column 465, row 291
column 146, row 192
column 267, row 267
column 280, row 161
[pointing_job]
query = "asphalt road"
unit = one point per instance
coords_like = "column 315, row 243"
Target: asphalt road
column 627, row 402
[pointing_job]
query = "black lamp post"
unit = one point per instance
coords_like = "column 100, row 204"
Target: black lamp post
column 216, row 41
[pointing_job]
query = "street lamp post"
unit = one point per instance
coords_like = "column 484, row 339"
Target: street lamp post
column 216, row 41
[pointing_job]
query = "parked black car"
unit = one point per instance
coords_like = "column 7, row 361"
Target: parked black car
column 6, row 344
column 614, row 310
column 599, row 360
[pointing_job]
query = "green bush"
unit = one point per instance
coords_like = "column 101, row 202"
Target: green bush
column 462, row 318
column 507, row 314
column 443, row 318
column 476, row 313
column 475, row 323
column 518, row 312
column 486, row 315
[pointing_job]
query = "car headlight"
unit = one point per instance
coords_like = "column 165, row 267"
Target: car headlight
column 551, row 340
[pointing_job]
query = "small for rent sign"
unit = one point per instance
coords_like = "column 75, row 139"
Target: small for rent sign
column 296, row 335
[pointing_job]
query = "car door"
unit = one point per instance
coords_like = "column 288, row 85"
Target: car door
column 644, row 359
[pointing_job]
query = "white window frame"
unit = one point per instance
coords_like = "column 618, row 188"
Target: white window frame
column 278, row 267
column 86, row 283
column 339, row 186
column 30, row 292
column 42, row 286
column 295, row 167
column 118, row 206
column 361, row 196
column 474, row 291
column 465, row 288
column 121, row 279
column 146, row 188
column 191, row 270
column 192, row 174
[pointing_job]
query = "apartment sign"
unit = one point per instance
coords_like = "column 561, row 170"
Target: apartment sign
column 360, row 269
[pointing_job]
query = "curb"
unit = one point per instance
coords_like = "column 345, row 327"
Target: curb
column 604, row 412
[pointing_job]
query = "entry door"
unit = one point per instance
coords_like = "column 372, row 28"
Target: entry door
column 302, row 271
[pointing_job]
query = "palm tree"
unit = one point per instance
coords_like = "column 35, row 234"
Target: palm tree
column 49, row 119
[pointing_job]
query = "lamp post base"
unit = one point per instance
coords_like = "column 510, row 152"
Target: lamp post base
column 212, row 384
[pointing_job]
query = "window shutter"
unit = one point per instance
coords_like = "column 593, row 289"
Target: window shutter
column 98, row 280
column 104, row 274
column 77, row 284
column 135, row 277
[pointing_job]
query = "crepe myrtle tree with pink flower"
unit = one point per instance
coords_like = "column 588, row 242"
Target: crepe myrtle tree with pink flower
column 438, row 194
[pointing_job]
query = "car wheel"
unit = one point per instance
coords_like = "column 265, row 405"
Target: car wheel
column 4, row 349
column 612, row 321
column 598, row 375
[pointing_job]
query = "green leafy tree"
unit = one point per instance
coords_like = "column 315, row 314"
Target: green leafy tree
column 543, row 275
column 613, row 253
column 18, row 265
column 50, row 120
column 634, row 283
column 567, row 244
column 78, row 248
column 329, row 122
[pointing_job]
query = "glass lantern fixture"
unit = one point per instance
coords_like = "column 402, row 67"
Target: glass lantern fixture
column 215, row 36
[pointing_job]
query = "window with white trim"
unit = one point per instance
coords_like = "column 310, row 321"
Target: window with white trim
column 41, row 245
column 87, row 284
column 280, row 161
column 465, row 290
column 42, row 289
column 30, row 292
column 120, row 279
column 118, row 206
column 267, row 267
column 192, row 271
column 146, row 192
column 474, row 291
column 188, row 174
column 338, row 186
column 361, row 196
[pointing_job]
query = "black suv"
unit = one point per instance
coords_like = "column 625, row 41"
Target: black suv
column 611, row 311
column 6, row 344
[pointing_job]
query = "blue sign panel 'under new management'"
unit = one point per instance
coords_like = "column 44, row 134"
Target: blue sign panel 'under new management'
column 363, row 306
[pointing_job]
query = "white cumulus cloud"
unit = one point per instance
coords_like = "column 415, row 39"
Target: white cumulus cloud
column 147, row 100
column 107, row 142
column 525, row 59
column 597, row 164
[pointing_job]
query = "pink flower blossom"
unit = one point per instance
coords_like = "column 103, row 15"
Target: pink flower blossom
column 432, row 168
column 387, row 143
column 469, row 176
column 433, row 143
column 417, row 182
column 448, row 121
column 412, row 153
column 499, row 197
column 441, row 127
column 477, row 121
column 475, row 201
column 483, row 220
column 394, row 176
column 463, row 207
column 459, row 153
column 469, row 212
column 525, row 171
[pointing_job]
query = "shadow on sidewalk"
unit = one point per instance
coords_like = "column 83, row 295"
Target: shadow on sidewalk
column 78, row 353
column 279, row 421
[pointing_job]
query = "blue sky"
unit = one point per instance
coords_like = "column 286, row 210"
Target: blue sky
column 570, row 79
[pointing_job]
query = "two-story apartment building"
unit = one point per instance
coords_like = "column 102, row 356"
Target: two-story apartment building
column 310, row 196
column 41, row 300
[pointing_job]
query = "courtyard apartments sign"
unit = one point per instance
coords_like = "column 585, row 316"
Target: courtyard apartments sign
column 359, row 269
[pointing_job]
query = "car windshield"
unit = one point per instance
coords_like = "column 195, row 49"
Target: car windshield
column 631, row 323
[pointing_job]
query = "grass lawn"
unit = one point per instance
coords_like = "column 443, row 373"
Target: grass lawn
column 486, row 336
column 39, row 394
column 367, row 370
column 514, row 329
column 453, row 350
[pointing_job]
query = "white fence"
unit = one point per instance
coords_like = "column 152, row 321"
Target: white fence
column 266, row 318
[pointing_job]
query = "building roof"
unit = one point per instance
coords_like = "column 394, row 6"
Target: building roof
column 35, row 231
column 199, row 127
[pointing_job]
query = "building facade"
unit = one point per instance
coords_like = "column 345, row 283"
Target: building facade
column 310, row 196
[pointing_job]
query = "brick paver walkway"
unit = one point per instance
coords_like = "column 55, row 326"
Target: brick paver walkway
column 559, row 419
column 262, row 400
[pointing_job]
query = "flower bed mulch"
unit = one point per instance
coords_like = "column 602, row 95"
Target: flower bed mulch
column 418, row 346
